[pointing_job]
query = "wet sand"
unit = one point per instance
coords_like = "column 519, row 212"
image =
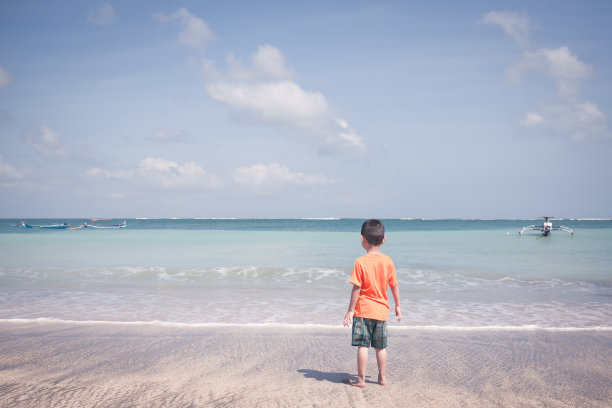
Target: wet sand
column 114, row 365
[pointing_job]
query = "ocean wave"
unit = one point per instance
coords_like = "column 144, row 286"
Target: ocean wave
column 78, row 277
column 418, row 278
column 501, row 328
column 305, row 326
column 410, row 280
column 215, row 218
column 589, row 219
column 320, row 219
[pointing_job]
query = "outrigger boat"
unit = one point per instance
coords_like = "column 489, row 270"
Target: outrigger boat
column 50, row 226
column 86, row 225
column 55, row 226
column 24, row 224
column 546, row 227
column 122, row 225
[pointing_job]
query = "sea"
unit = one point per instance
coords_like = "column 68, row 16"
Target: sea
column 453, row 273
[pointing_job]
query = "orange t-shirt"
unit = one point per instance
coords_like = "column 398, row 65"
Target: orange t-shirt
column 373, row 273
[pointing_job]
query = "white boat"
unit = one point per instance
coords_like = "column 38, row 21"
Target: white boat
column 546, row 228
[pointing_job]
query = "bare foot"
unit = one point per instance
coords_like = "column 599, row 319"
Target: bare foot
column 381, row 380
column 354, row 383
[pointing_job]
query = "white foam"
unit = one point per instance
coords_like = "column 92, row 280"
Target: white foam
column 591, row 219
column 306, row 326
column 503, row 328
column 320, row 219
column 216, row 218
column 172, row 324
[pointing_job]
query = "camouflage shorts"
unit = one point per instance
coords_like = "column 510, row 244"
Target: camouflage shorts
column 368, row 332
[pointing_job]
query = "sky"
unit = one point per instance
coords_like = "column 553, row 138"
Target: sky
column 276, row 109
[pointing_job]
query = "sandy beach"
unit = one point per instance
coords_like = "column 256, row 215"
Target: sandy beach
column 127, row 365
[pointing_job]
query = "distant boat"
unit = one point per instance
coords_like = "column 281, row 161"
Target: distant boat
column 24, row 224
column 55, row 226
column 50, row 226
column 546, row 227
column 122, row 225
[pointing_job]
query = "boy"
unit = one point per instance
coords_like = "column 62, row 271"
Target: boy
column 369, row 306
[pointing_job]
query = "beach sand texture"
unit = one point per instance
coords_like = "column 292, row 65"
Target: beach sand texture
column 128, row 365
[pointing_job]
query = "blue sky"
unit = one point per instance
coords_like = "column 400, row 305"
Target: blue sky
column 323, row 109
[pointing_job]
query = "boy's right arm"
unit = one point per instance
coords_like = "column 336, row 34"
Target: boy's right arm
column 348, row 318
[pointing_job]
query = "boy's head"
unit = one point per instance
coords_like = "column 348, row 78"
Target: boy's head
column 373, row 231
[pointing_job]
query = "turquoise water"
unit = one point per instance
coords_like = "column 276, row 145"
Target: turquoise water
column 452, row 273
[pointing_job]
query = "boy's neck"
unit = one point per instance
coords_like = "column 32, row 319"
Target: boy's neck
column 373, row 250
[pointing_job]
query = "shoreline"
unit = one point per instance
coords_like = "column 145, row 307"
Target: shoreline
column 46, row 363
column 305, row 326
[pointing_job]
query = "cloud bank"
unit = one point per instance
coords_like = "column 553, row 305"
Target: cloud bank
column 566, row 115
column 159, row 172
column 274, row 173
column 155, row 171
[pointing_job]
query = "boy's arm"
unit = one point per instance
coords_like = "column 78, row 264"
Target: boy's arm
column 348, row 318
column 396, row 298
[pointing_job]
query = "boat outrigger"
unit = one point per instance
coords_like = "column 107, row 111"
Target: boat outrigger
column 122, row 225
column 24, row 224
column 546, row 227
column 113, row 226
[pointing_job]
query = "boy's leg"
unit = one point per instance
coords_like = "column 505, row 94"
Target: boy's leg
column 362, row 363
column 381, row 359
column 361, row 339
column 379, row 341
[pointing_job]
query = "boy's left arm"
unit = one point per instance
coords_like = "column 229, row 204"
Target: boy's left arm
column 348, row 318
column 396, row 298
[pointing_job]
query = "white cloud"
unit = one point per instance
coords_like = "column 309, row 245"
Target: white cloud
column 265, row 94
column 5, row 77
column 46, row 142
column 533, row 119
column 567, row 115
column 268, row 63
column 109, row 174
column 577, row 119
column 282, row 102
column 8, row 171
column 274, row 173
column 195, row 32
column 103, row 15
column 557, row 63
column 515, row 25
column 160, row 172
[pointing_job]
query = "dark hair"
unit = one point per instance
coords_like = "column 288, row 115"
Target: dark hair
column 373, row 231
